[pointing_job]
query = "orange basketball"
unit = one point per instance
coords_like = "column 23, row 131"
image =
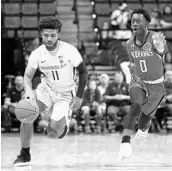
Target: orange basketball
column 26, row 110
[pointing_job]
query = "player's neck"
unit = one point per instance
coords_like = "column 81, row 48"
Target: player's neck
column 140, row 39
column 54, row 47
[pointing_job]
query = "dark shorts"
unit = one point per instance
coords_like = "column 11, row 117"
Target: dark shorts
column 153, row 97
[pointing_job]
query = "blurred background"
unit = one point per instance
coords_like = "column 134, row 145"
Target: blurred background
column 99, row 29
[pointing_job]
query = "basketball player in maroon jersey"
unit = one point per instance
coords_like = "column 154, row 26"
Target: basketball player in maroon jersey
column 146, row 50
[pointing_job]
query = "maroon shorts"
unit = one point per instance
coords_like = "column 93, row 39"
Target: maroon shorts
column 154, row 95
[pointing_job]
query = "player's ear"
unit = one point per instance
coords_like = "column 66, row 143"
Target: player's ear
column 58, row 35
column 147, row 23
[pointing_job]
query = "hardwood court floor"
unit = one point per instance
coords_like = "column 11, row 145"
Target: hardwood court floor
column 88, row 152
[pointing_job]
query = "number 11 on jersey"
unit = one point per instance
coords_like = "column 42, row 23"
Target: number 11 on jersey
column 55, row 75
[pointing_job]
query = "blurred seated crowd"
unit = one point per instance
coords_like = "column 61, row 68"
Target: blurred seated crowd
column 105, row 104
column 119, row 22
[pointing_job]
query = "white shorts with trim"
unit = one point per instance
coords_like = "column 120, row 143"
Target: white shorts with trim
column 58, row 103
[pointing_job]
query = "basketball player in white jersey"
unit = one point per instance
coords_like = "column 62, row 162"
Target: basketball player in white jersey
column 57, row 61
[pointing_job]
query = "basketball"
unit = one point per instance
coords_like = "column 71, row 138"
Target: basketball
column 26, row 110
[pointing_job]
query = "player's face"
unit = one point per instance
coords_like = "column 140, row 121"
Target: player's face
column 138, row 24
column 50, row 38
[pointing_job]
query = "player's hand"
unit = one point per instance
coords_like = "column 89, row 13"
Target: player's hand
column 159, row 41
column 76, row 103
column 29, row 95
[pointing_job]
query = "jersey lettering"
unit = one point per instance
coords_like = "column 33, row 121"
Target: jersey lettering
column 148, row 64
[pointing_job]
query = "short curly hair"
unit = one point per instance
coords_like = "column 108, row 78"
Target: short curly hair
column 49, row 23
column 142, row 11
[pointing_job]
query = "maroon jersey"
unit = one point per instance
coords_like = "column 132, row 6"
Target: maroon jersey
column 148, row 61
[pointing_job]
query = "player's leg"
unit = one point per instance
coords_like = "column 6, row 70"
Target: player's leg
column 124, row 110
column 148, row 111
column 59, row 121
column 138, row 97
column 26, row 131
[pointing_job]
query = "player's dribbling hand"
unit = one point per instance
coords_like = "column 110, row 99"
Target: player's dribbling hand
column 159, row 41
column 76, row 103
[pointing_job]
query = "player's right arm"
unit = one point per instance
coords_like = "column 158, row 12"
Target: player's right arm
column 28, row 76
column 132, row 65
column 29, row 73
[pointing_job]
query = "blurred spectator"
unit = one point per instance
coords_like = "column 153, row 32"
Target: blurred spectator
column 168, row 57
column 157, row 22
column 29, row 46
column 167, row 13
column 165, row 108
column 14, row 95
column 117, row 98
column 105, row 32
column 119, row 20
column 119, row 17
column 91, row 106
column 103, row 84
column 168, row 86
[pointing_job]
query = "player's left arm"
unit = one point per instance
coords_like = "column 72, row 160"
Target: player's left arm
column 79, row 64
column 83, row 76
column 159, row 43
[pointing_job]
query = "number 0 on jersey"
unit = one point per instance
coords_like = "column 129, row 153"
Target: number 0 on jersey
column 143, row 66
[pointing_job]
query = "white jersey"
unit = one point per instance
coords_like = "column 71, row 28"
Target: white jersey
column 57, row 66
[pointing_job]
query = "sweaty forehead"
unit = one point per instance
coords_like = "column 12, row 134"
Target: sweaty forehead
column 138, row 16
